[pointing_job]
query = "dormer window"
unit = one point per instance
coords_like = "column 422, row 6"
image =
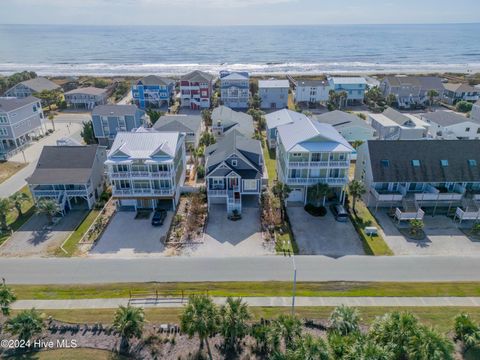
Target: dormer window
column 385, row 163
column 234, row 162
column 444, row 163
column 415, row 163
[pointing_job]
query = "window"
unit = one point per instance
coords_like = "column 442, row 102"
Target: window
column 296, row 154
column 249, row 185
column 3, row 132
column 467, row 129
column 416, row 163
column 385, row 163
column 444, row 163
column 234, row 162
column 472, row 162
column 3, row 119
column 478, row 131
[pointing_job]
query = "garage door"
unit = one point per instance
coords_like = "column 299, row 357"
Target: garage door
column 296, row 195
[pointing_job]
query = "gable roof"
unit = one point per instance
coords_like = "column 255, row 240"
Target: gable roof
column 459, row 87
column 348, row 80
column 64, row 165
column 312, row 83
column 392, row 117
column 273, row 83
column 115, row 110
column 282, row 117
column 400, row 154
column 445, row 118
column 10, row 103
column 424, row 82
column 155, row 80
column 90, row 90
column 340, row 119
column 235, row 76
column 197, row 76
column 181, row 123
column 231, row 119
column 40, row 83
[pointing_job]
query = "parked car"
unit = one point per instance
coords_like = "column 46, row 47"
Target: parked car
column 339, row 212
column 159, row 217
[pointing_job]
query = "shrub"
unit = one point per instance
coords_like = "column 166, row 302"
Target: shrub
column 315, row 211
column 200, row 172
column 464, row 106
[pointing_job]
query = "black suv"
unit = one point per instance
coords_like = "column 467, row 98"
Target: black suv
column 159, row 217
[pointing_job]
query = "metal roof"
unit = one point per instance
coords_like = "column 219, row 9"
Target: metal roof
column 231, row 119
column 273, row 83
column 90, row 90
column 282, row 117
column 340, row 119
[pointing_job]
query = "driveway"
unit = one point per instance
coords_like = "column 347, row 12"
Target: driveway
column 323, row 235
column 224, row 237
column 35, row 239
column 443, row 237
column 126, row 236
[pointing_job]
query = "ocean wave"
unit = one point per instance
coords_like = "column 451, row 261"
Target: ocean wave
column 294, row 68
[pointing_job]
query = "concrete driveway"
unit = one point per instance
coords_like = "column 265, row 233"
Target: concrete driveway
column 323, row 235
column 443, row 237
column 126, row 236
column 35, row 239
column 224, row 237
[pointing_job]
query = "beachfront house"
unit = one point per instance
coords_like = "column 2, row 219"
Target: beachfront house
column 86, row 98
column 234, row 89
column 308, row 153
column 274, row 93
column 354, row 87
column 30, row 87
column 277, row 118
column 190, row 125
column 459, row 92
column 350, row 126
column 475, row 113
column 234, row 172
column 147, row 169
column 153, row 91
column 411, row 91
column 312, row 92
column 73, row 176
column 20, row 120
column 451, row 125
column 196, row 90
column 413, row 177
column 108, row 120
column 225, row 120
column 393, row 125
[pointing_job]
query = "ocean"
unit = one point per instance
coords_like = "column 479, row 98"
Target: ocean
column 128, row 50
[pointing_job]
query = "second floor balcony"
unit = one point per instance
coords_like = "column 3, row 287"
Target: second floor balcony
column 140, row 174
column 119, row 192
column 312, row 181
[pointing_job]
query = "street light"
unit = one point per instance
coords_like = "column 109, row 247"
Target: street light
column 294, row 283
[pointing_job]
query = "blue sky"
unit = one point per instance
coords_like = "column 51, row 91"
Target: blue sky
column 237, row 12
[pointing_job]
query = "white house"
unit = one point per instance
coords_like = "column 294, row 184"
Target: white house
column 277, row 118
column 312, row 91
column 393, row 125
column 475, row 113
column 86, row 98
column 458, row 92
column 451, row 125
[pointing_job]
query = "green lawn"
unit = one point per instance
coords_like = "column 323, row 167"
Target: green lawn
column 285, row 243
column 270, row 162
column 13, row 220
column 244, row 289
column 71, row 244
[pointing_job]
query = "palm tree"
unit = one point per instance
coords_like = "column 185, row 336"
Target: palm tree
column 432, row 94
column 416, row 226
column 7, row 296
column 365, row 349
column 289, row 328
column 48, row 207
column 266, row 339
column 207, row 117
column 234, row 316
column 345, row 320
column 343, row 97
column 356, row 189
column 333, row 98
column 319, row 191
column 200, row 317
column 466, row 331
column 391, row 99
column 5, row 206
column 51, row 117
column 309, row 348
column 129, row 322
column 18, row 199
column 26, row 324
column 429, row 344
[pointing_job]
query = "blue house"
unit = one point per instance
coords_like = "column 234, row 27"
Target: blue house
column 354, row 87
column 153, row 91
column 234, row 89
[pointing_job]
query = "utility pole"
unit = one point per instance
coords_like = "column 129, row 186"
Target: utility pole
column 294, row 283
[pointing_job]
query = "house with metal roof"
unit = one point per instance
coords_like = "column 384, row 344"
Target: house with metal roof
column 235, row 89
column 411, row 91
column 277, row 118
column 190, row 125
column 274, row 93
column 475, row 113
column 234, row 171
column 86, row 98
column 73, row 176
column 21, row 120
column 450, row 125
column 153, row 91
column 394, row 125
column 225, row 120
column 457, row 92
column 350, row 126
column 309, row 153
column 110, row 119
column 146, row 169
column 196, row 90
column 414, row 177
column 354, row 87
column 30, row 87
column 312, row 91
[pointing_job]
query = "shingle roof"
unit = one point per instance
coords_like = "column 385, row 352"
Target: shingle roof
column 235, row 76
column 231, row 119
column 64, row 165
column 340, row 119
column 459, row 87
column 10, row 103
column 155, row 80
column 115, row 110
column 181, row 123
column 424, row 82
column 391, row 117
column 312, row 83
column 348, row 80
column 90, row 90
column 40, row 83
column 197, row 76
column 273, row 84
column 445, row 118
column 400, row 154
column 144, row 145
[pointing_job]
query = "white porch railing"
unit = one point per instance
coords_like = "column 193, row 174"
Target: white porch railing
column 140, row 174
column 217, row 192
column 461, row 215
column 393, row 196
column 409, row 215
column 316, row 164
column 130, row 192
column 310, row 181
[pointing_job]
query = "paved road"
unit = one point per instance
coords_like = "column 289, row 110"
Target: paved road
column 253, row 301
column 266, row 268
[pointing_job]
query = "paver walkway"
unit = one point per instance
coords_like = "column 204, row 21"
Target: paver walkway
column 254, row 301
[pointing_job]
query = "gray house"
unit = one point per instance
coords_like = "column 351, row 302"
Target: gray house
column 20, row 120
column 109, row 119
column 350, row 126
column 225, row 120
column 30, row 87
column 86, row 98
column 274, row 93
column 191, row 125
column 71, row 175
